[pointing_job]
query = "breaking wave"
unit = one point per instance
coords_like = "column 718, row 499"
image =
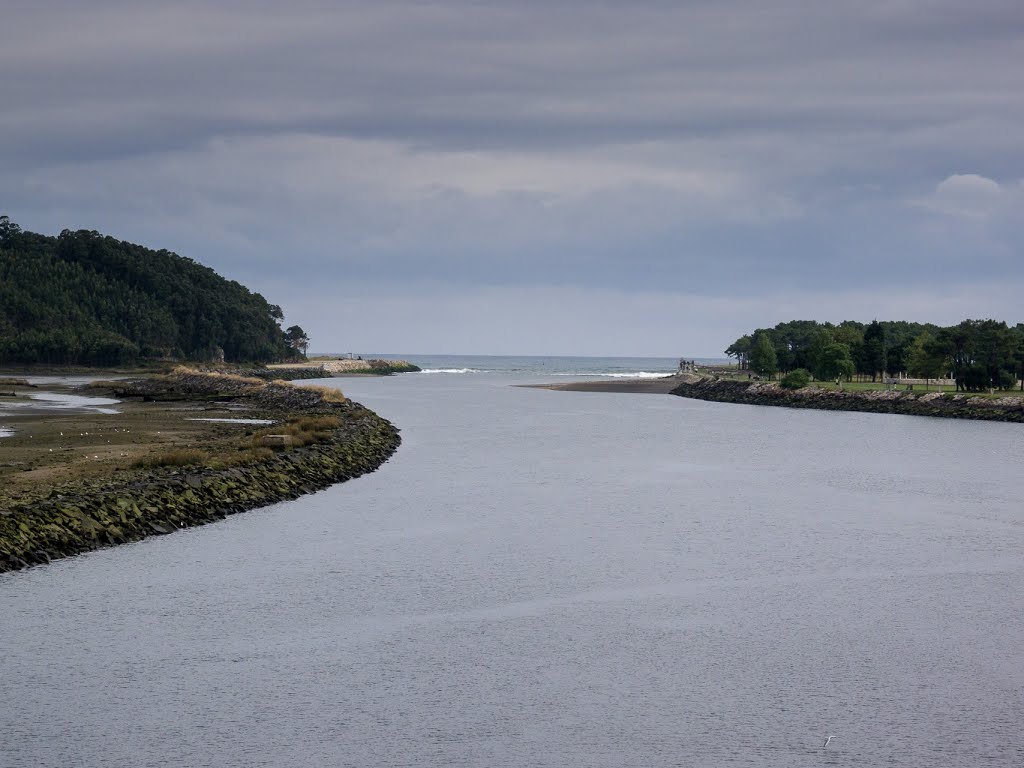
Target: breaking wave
column 453, row 370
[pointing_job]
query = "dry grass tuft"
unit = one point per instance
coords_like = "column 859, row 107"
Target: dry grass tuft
column 184, row 370
column 328, row 394
column 241, row 458
column 102, row 384
column 180, row 457
column 303, row 431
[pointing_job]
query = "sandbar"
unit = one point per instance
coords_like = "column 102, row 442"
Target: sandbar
column 645, row 386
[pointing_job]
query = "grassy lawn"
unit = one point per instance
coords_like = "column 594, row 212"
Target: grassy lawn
column 918, row 389
column 866, row 386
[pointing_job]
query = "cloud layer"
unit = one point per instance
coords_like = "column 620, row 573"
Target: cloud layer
column 751, row 161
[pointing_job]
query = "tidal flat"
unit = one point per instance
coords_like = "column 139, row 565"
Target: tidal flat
column 115, row 461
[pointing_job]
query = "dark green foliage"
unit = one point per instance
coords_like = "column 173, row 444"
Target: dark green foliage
column 297, row 340
column 796, row 379
column 873, row 356
column 740, row 349
column 979, row 351
column 1004, row 380
column 83, row 298
column 981, row 354
column 926, row 359
column 763, row 360
column 834, row 362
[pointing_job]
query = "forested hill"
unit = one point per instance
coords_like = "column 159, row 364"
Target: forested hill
column 87, row 299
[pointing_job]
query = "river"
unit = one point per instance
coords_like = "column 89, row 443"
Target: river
column 543, row 578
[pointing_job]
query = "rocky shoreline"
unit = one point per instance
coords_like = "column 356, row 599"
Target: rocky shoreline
column 940, row 404
column 92, row 513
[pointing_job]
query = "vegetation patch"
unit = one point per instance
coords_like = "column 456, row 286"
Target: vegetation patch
column 329, row 394
column 180, row 457
column 303, row 431
column 796, row 379
column 973, row 356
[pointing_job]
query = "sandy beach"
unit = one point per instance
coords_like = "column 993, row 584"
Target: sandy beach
column 648, row 386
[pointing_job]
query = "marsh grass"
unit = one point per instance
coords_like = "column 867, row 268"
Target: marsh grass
column 101, row 385
column 240, row 456
column 179, row 457
column 183, row 370
column 244, row 456
column 306, row 430
column 328, row 394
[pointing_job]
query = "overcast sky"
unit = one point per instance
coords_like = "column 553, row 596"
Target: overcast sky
column 557, row 177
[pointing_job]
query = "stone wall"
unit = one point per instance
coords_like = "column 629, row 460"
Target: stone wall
column 321, row 369
column 946, row 405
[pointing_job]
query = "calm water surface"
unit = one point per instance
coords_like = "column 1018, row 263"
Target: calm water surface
column 557, row 579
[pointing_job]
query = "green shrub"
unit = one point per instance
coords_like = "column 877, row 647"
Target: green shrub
column 305, row 430
column 1006, row 380
column 796, row 379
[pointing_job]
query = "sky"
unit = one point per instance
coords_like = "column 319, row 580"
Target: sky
column 560, row 177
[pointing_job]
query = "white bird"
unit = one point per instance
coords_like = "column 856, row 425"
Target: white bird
column 827, row 741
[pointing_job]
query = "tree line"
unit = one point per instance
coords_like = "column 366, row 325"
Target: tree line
column 83, row 298
column 978, row 354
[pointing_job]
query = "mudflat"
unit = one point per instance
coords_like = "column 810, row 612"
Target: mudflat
column 50, row 443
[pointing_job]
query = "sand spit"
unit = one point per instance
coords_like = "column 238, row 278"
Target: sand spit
column 645, row 386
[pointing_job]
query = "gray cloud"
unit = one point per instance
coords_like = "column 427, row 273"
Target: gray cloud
column 719, row 148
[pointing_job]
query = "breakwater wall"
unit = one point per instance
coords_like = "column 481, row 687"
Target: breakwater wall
column 322, row 369
column 945, row 405
column 91, row 514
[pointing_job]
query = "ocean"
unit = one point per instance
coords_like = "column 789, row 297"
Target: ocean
column 546, row 578
column 533, row 366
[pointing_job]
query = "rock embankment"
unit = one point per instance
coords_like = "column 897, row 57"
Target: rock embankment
column 190, row 384
column 946, row 405
column 344, row 367
column 139, row 502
